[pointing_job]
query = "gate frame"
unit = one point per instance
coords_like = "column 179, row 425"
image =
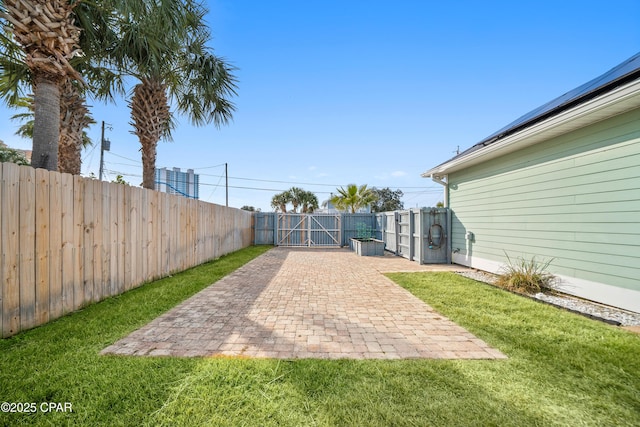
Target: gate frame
column 308, row 221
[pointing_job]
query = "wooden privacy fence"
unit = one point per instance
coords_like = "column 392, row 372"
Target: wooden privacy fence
column 420, row 235
column 417, row 234
column 68, row 241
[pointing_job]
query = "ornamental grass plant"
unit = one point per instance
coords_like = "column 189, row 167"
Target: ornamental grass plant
column 528, row 276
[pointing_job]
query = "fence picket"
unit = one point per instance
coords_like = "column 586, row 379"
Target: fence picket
column 9, row 224
column 68, row 241
column 42, row 283
column 113, row 239
column 134, row 223
column 78, row 241
column 163, row 202
column 122, row 235
column 152, row 231
column 105, row 243
column 26, row 237
column 88, row 225
column 144, row 241
column 98, row 254
column 68, row 263
column 128, row 241
column 55, row 245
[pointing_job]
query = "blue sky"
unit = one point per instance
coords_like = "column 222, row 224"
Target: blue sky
column 371, row 92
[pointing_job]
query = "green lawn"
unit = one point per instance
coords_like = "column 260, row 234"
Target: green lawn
column 563, row 369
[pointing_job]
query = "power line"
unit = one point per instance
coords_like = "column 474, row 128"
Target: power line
column 291, row 182
column 89, row 154
column 270, row 180
column 210, row 167
column 424, row 191
column 122, row 164
column 214, row 190
column 138, row 162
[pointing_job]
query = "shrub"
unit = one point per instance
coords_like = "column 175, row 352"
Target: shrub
column 527, row 276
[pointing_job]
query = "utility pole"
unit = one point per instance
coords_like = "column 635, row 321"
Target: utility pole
column 226, row 178
column 105, row 145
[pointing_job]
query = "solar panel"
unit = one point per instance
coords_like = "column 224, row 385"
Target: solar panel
column 618, row 75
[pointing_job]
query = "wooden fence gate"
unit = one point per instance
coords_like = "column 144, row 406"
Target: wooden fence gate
column 296, row 229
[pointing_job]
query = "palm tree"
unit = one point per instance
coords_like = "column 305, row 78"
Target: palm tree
column 73, row 135
column 296, row 196
column 75, row 118
column 15, row 79
column 309, row 202
column 164, row 47
column 279, row 201
column 15, row 76
column 353, row 198
column 49, row 39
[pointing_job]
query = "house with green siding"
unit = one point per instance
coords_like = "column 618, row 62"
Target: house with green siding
column 561, row 183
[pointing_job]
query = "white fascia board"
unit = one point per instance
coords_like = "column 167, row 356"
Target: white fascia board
column 619, row 100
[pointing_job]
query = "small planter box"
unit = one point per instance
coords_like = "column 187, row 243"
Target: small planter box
column 367, row 247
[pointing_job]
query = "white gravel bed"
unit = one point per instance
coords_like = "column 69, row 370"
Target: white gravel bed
column 588, row 308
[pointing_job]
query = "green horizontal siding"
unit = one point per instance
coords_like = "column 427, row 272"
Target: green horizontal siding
column 574, row 198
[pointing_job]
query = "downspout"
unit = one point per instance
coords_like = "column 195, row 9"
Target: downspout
column 445, row 184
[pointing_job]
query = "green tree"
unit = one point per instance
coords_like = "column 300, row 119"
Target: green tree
column 69, row 147
column 12, row 155
column 164, row 47
column 120, row 180
column 19, row 69
column 308, row 202
column 161, row 43
column 74, row 120
column 353, row 198
column 279, row 201
column 49, row 39
column 296, row 196
column 248, row 208
column 387, row 200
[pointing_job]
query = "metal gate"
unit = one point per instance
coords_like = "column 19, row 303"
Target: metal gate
column 294, row 229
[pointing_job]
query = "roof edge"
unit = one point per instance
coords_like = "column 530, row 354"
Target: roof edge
column 619, row 76
column 609, row 104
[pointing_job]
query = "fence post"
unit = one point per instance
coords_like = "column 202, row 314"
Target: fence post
column 412, row 245
column 276, row 221
column 448, row 234
column 420, row 234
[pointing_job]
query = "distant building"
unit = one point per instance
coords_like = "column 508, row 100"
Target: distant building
column 174, row 181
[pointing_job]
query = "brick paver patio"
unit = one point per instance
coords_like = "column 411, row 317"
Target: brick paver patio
column 307, row 303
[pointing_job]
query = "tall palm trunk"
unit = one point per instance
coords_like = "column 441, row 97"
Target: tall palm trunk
column 45, row 29
column 73, row 119
column 150, row 114
column 46, row 123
